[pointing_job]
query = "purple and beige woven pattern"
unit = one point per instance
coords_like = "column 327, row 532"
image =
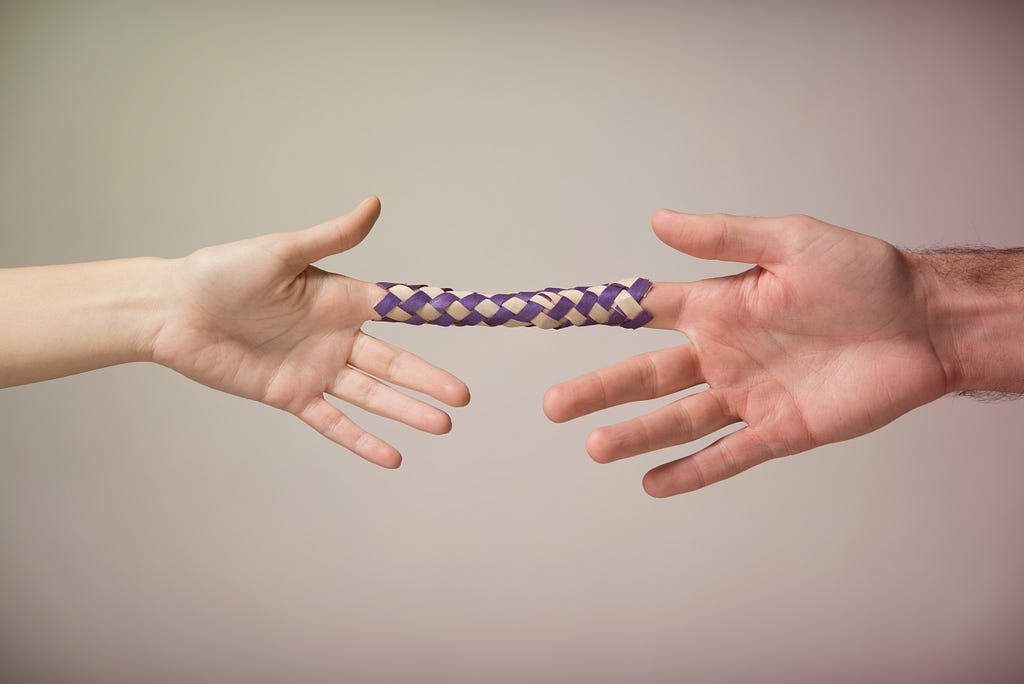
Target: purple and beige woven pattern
column 615, row 303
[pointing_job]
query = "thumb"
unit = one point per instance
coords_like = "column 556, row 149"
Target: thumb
column 726, row 237
column 337, row 235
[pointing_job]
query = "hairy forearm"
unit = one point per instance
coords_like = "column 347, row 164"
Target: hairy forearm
column 61, row 320
column 975, row 300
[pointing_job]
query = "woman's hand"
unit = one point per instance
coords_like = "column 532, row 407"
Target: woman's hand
column 252, row 318
column 255, row 319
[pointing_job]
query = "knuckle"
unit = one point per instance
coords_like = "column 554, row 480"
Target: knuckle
column 604, row 398
column 647, row 375
column 730, row 464
column 722, row 404
column 682, row 421
column 801, row 220
column 699, row 473
column 280, row 392
column 798, row 225
column 393, row 363
column 371, row 390
column 799, row 230
column 765, row 450
column 333, row 426
column 362, row 441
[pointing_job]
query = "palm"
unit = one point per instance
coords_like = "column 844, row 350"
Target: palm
column 818, row 356
column 257, row 321
column 821, row 342
column 275, row 337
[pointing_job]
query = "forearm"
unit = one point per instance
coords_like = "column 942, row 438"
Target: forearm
column 61, row 320
column 975, row 301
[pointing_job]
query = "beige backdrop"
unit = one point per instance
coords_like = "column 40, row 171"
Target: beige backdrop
column 152, row 530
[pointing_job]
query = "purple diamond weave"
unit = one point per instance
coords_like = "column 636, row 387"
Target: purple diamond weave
column 615, row 303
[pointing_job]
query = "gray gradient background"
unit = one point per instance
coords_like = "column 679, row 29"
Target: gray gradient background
column 153, row 530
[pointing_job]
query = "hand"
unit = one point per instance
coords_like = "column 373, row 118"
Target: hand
column 255, row 319
column 827, row 338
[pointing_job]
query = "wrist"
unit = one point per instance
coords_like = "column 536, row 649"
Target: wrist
column 975, row 311
column 150, row 303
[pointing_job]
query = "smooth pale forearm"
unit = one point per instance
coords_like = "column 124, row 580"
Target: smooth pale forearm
column 975, row 301
column 66, row 319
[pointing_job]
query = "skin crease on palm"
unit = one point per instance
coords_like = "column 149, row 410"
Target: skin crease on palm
column 287, row 333
column 823, row 340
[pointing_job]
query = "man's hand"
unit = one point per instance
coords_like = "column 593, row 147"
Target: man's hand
column 827, row 338
column 253, row 318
